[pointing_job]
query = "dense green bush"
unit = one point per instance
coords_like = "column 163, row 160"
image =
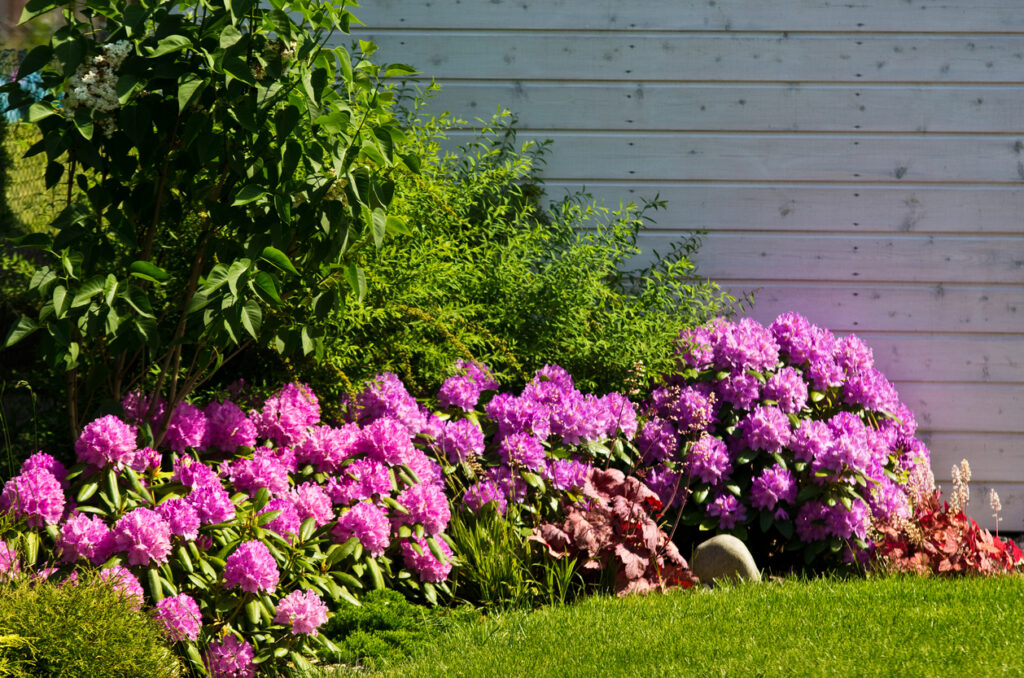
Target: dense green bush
column 86, row 629
column 228, row 167
column 493, row 276
column 385, row 627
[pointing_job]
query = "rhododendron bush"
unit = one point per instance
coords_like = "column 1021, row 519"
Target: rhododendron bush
column 245, row 525
column 786, row 436
column 240, row 529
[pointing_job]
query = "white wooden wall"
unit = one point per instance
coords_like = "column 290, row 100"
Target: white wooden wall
column 862, row 163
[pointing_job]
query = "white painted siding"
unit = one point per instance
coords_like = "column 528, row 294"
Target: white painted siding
column 862, row 163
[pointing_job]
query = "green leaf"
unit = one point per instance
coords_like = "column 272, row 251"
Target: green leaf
column 375, row 574
column 149, row 271
column 34, row 8
column 34, row 60
column 229, row 36
column 817, row 396
column 785, row 528
column 379, row 223
column 86, row 491
column 394, row 70
column 88, row 290
column 766, row 521
column 436, row 550
column 189, row 85
column 279, row 259
column 40, row 110
column 156, row 588
column 23, row 328
column 248, row 194
column 398, row 225
column 172, row 43
column 252, row 318
column 356, row 278
column 267, row 287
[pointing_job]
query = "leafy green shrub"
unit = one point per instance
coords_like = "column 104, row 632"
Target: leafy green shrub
column 492, row 276
column 228, row 168
column 386, row 626
column 86, row 629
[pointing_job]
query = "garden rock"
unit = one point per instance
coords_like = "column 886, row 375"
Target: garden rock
column 724, row 557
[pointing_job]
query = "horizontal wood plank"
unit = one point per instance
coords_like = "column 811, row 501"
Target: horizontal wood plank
column 869, row 258
column 723, row 57
column 966, row 407
column 721, row 15
column 780, row 157
column 986, row 358
column 824, row 209
column 993, row 457
column 740, row 107
column 892, row 308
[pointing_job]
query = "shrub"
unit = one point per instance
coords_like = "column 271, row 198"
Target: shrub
column 492, row 276
column 384, row 627
column 86, row 629
column 229, row 167
column 238, row 563
column 787, row 437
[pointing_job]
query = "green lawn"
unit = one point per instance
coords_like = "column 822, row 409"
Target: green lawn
column 898, row 626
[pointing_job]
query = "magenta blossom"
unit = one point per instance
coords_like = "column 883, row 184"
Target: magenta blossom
column 107, row 441
column 304, row 610
column 231, row 658
column 145, row 535
column 180, row 616
column 35, row 495
column 369, row 524
column 251, row 568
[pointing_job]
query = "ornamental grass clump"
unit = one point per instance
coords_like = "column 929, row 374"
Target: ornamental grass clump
column 786, row 436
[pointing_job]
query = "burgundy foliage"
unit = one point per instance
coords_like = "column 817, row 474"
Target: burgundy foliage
column 614, row 528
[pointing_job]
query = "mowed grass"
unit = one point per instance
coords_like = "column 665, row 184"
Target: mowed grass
column 874, row 627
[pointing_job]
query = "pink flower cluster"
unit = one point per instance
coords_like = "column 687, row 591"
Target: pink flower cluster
column 304, row 610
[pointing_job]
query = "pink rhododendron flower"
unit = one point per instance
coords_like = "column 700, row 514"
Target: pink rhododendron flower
column 304, row 610
column 709, row 460
column 427, row 506
column 187, row 428
column 263, row 470
column 181, row 516
column 482, row 493
column 230, row 658
column 125, row 583
column 85, row 536
column 251, row 568
column 460, row 439
column 386, row 397
column 369, row 524
column 107, row 441
column 388, row 441
column 312, row 501
column 145, row 535
column 180, row 617
column 362, row 479
column 46, row 462
column 423, row 563
column 35, row 495
column 327, row 447
column 228, row 427
column 522, row 449
column 288, row 414
column 212, row 503
column 287, row 523
column 10, row 565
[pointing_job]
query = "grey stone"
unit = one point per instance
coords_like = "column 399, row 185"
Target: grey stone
column 724, row 557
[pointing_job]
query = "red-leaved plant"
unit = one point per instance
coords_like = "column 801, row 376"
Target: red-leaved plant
column 613, row 529
column 940, row 539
